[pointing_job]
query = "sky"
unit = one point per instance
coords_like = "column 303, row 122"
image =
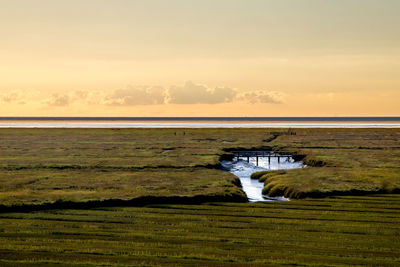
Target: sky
column 199, row 58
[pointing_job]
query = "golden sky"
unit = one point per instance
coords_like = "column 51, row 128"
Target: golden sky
column 199, row 58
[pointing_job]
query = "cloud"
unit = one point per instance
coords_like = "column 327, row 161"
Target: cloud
column 89, row 97
column 58, row 100
column 13, row 97
column 137, row 96
column 191, row 93
column 81, row 94
column 261, row 96
column 79, row 97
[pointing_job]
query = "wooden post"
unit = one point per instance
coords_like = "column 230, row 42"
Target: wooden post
column 279, row 159
column 257, row 160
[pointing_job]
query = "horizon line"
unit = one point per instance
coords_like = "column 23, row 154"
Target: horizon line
column 203, row 118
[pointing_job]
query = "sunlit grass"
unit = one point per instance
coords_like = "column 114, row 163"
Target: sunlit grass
column 46, row 165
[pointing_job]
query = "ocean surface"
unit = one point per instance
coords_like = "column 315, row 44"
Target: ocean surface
column 199, row 122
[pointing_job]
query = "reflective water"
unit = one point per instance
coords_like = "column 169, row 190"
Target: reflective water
column 252, row 187
column 116, row 124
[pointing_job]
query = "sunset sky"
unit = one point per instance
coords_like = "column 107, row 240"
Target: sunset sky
column 200, row 58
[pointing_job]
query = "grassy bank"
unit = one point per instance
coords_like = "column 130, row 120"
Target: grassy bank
column 339, row 231
column 29, row 187
column 341, row 162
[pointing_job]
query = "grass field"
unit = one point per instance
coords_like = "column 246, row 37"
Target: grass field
column 42, row 166
column 39, row 166
column 96, row 176
column 338, row 231
column 343, row 161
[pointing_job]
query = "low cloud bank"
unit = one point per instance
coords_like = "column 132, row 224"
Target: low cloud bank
column 192, row 93
column 13, row 97
column 58, row 100
column 189, row 93
column 136, row 96
column 260, row 96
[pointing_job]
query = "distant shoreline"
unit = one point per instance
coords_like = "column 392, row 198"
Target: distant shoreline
column 210, row 119
column 193, row 125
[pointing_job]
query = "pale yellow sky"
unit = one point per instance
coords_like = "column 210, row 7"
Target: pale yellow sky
column 200, row 58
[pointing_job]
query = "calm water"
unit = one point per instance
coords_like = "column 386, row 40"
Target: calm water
column 252, row 187
column 166, row 124
column 200, row 122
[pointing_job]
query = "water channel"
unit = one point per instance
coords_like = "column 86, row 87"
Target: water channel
column 243, row 167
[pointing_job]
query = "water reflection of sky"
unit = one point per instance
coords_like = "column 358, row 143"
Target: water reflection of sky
column 119, row 124
column 252, row 187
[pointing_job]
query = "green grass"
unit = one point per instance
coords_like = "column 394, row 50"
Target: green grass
column 40, row 186
column 340, row 162
column 120, row 148
column 338, row 231
column 111, row 168
column 39, row 166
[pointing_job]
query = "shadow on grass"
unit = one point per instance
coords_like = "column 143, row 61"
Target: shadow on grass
column 135, row 202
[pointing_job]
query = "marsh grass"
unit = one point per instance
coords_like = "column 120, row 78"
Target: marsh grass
column 42, row 166
column 339, row 231
column 109, row 169
column 39, row 166
column 340, row 162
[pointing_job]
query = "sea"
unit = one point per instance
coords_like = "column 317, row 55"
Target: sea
column 199, row 122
